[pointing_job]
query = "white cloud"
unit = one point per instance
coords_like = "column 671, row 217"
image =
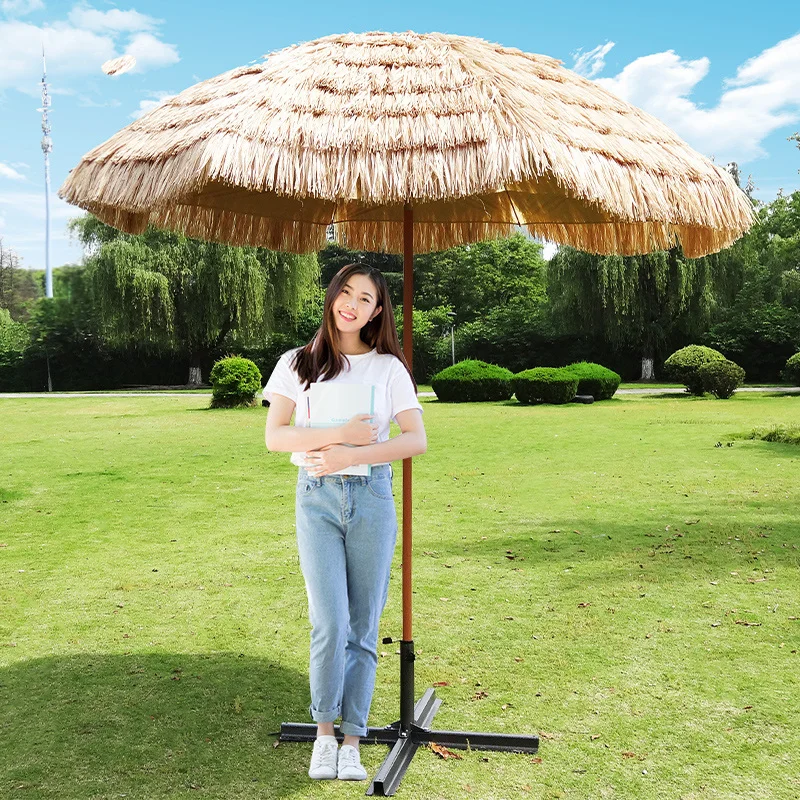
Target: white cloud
column 74, row 50
column 30, row 205
column 763, row 97
column 69, row 52
column 591, row 63
column 156, row 99
column 115, row 21
column 18, row 8
column 151, row 53
column 8, row 171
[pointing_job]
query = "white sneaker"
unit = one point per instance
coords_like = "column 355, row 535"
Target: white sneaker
column 350, row 768
column 323, row 759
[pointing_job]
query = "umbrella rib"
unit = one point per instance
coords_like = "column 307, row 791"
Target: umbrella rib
column 513, row 208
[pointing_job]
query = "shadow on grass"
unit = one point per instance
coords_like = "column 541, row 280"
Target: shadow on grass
column 761, row 448
column 613, row 551
column 150, row 725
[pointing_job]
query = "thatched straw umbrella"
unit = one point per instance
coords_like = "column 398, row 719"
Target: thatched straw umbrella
column 409, row 142
column 347, row 129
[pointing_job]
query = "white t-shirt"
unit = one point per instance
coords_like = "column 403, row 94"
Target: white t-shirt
column 394, row 391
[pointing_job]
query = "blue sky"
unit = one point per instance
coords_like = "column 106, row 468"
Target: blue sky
column 724, row 75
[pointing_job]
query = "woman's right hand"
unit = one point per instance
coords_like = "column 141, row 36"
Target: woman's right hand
column 359, row 431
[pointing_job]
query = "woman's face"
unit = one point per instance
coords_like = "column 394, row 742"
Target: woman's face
column 356, row 304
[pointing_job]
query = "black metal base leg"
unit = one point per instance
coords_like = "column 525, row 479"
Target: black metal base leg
column 394, row 766
column 404, row 743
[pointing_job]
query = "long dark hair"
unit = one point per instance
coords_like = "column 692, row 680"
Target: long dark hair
column 322, row 359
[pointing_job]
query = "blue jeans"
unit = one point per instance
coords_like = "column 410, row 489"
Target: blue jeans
column 346, row 533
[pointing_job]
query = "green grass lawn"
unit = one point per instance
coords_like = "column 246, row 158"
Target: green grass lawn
column 604, row 575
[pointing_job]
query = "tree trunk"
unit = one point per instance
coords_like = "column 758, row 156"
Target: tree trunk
column 195, row 376
column 647, row 369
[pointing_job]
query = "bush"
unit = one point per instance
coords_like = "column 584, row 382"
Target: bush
column 785, row 434
column 234, row 382
column 721, row 378
column 471, row 381
column 683, row 364
column 595, row 379
column 791, row 371
column 545, row 385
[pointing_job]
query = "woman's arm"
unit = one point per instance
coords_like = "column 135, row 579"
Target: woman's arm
column 283, row 437
column 412, row 441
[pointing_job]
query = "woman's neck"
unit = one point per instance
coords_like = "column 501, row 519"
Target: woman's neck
column 353, row 345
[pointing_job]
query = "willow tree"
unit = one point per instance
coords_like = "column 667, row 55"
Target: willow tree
column 166, row 291
column 641, row 303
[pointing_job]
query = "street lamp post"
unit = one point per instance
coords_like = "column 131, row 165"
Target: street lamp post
column 47, row 148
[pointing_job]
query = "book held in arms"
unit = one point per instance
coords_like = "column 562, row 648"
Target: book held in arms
column 334, row 404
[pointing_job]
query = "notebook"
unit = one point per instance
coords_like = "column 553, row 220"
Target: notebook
column 333, row 404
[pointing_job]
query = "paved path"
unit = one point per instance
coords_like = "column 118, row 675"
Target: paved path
column 26, row 395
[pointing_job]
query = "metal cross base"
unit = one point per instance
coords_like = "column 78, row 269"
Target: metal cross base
column 404, row 743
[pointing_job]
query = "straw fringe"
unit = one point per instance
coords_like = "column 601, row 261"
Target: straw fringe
column 387, row 236
column 379, row 119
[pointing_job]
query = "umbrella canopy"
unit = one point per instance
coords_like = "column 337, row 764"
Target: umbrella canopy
column 349, row 129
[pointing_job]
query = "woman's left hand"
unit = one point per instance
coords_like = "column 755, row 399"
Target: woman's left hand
column 329, row 459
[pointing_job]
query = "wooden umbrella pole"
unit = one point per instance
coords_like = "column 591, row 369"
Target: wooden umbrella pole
column 407, row 644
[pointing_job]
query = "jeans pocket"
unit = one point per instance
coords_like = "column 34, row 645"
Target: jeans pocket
column 306, row 486
column 380, row 487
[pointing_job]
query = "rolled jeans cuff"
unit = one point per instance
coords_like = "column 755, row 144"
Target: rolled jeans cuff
column 349, row 729
column 325, row 716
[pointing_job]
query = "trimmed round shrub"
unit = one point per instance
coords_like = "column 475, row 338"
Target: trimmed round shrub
column 471, row 381
column 595, row 379
column 683, row 364
column 234, row 382
column 555, row 385
column 721, row 378
column 791, row 371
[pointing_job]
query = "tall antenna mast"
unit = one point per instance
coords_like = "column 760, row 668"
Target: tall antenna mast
column 47, row 148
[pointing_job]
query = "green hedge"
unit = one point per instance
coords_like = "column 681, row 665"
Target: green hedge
column 683, row 364
column 595, row 379
column 472, row 381
column 791, row 371
column 721, row 378
column 234, row 382
column 555, row 385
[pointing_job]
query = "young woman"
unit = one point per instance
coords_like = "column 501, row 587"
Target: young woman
column 346, row 524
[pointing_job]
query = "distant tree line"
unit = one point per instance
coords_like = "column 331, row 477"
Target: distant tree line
column 160, row 308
